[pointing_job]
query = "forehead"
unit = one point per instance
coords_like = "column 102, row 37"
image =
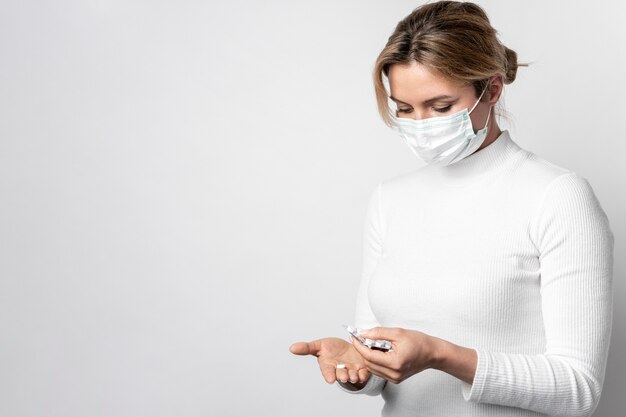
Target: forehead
column 418, row 82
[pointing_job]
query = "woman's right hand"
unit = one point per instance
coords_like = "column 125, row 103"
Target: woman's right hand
column 332, row 351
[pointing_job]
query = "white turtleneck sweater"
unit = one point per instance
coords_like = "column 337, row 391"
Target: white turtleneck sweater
column 503, row 252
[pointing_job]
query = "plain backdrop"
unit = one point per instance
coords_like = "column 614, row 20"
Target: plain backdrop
column 183, row 186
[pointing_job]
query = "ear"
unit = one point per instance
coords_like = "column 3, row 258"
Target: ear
column 496, row 85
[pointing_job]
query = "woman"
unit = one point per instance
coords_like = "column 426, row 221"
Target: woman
column 490, row 269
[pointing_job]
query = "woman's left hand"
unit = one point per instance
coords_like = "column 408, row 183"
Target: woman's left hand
column 412, row 352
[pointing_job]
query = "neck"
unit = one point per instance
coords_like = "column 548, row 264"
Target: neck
column 478, row 166
column 493, row 132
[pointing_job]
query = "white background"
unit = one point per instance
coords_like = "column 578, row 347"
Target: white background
column 183, row 186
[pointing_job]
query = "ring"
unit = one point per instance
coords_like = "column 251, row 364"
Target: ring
column 341, row 365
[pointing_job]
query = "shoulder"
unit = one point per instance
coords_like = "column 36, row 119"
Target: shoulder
column 555, row 194
column 526, row 172
column 536, row 178
column 537, row 171
column 566, row 205
column 554, row 182
column 397, row 190
column 403, row 179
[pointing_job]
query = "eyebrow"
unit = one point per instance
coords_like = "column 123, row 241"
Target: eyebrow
column 426, row 102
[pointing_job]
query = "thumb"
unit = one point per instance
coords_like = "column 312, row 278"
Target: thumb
column 305, row 348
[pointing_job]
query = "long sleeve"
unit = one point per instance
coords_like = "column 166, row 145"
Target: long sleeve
column 575, row 244
column 372, row 250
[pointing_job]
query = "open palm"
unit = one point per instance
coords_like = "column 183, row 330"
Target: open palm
column 330, row 352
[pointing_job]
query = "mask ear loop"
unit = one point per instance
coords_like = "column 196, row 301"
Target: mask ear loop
column 487, row 121
column 476, row 104
column 478, row 101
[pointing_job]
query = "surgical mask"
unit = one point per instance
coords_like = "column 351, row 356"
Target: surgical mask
column 442, row 140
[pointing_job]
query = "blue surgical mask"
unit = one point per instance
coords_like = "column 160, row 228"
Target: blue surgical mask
column 442, row 140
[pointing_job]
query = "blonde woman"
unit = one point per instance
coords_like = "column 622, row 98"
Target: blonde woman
column 490, row 269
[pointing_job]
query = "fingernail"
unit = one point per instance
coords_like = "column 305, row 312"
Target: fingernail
column 364, row 331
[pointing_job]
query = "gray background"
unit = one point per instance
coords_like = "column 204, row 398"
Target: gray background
column 183, row 186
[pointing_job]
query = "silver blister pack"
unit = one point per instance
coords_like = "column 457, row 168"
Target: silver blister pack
column 371, row 343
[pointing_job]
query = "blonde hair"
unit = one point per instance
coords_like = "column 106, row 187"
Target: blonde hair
column 454, row 38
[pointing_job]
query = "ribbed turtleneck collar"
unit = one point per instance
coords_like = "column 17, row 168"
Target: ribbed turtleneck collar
column 481, row 162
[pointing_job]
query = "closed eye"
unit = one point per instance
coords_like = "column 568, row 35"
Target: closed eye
column 437, row 109
column 442, row 109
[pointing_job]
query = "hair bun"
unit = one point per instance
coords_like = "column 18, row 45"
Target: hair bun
column 511, row 65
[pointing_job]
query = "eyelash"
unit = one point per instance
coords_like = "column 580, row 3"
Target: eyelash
column 438, row 110
column 443, row 109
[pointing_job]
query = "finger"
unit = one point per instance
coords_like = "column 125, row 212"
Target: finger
column 342, row 374
column 387, row 333
column 306, row 348
column 328, row 372
column 353, row 375
column 377, row 373
column 375, row 356
column 379, row 370
column 360, row 347
column 363, row 375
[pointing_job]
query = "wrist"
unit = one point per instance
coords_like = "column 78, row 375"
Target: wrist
column 458, row 361
column 440, row 352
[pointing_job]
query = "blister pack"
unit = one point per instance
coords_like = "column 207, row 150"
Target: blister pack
column 371, row 343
